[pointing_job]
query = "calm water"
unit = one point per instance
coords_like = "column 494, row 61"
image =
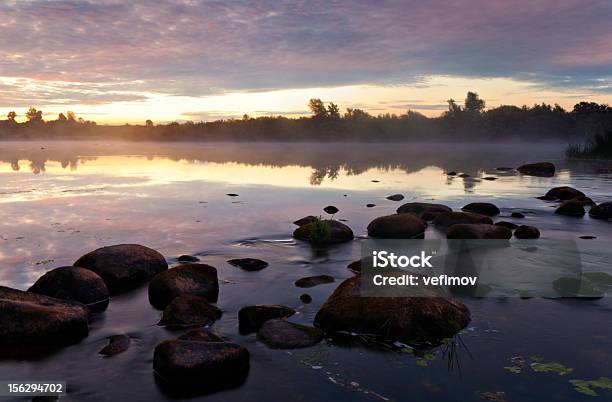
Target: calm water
column 59, row 200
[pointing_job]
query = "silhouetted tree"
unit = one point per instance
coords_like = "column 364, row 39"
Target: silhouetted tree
column 591, row 107
column 149, row 123
column 61, row 117
column 71, row 116
column 473, row 103
column 333, row 111
column 34, row 115
column 317, row 107
column 453, row 108
column 11, row 116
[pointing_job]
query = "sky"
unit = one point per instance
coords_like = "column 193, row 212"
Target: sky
column 127, row 61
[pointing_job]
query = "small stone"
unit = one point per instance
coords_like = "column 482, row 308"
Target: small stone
column 330, row 209
column 370, row 205
column 518, row 215
column 188, row 258
column 527, row 232
column 311, row 281
column 282, row 334
column 305, row 298
column 248, row 264
column 395, row 197
column 116, row 344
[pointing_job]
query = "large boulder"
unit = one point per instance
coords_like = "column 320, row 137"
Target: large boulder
column 601, row 211
column 483, row 208
column 408, row 319
column 563, row 193
column 527, row 232
column 453, row 218
column 324, row 232
column 74, row 284
column 197, row 365
column 423, row 210
column 571, row 208
column 123, row 266
column 281, row 334
column 397, row 226
column 541, row 169
column 189, row 311
column 31, row 323
column 478, row 231
column 192, row 279
column 251, row 318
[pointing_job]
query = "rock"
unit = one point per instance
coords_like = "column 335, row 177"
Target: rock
column 193, row 279
column 395, row 197
column 248, row 264
column 453, row 218
column 601, row 211
column 563, row 193
column 401, row 318
column 397, row 226
column 489, row 178
column 74, row 284
column 311, row 281
column 305, row 298
column 31, row 323
column 116, row 344
column 201, row 365
column 123, row 266
column 189, row 310
column 251, row 318
column 478, row 231
column 517, row 215
column 423, row 210
column 527, row 232
column 483, row 208
column 546, row 198
column 232, row 195
column 282, row 334
column 375, row 181
column 330, row 209
column 188, row 258
column 200, row 335
column 305, row 220
column 356, row 266
column 463, row 175
column 370, row 205
column 584, row 201
column 571, row 208
column 588, row 237
column 338, row 233
column 508, row 225
column 451, row 173
column 542, row 169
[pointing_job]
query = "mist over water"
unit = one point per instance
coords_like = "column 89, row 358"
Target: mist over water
column 60, row 200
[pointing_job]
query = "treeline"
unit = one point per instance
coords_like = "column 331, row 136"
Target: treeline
column 467, row 122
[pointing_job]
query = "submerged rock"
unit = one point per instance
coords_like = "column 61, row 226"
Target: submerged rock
column 311, row 281
column 335, row 232
column 423, row 210
column 189, row 311
column 508, row 225
column 400, row 318
column 397, row 226
column 588, row 237
column 281, row 334
column 123, row 266
column 74, row 284
column 563, row 193
column 305, row 298
column 483, row 208
column 584, row 201
column 193, row 279
column 519, row 215
column 601, row 211
column 205, row 366
column 451, row 173
column 248, row 264
column 395, row 197
column 251, row 318
column 116, row 344
column 527, row 232
column 370, row 205
column 31, row 323
column 330, row 209
column 188, row 258
column 305, row 220
column 478, row 231
column 542, row 169
column 571, row 208
column 453, row 218
column 357, row 265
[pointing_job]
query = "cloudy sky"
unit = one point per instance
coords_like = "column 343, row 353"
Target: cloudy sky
column 126, row 61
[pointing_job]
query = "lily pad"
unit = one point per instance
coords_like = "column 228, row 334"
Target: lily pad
column 514, row 369
column 551, row 368
column 586, row 386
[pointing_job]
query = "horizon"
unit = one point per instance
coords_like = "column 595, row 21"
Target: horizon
column 119, row 63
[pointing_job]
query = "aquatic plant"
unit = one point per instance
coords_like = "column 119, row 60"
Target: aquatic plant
column 320, row 232
column 600, row 146
column 586, row 386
